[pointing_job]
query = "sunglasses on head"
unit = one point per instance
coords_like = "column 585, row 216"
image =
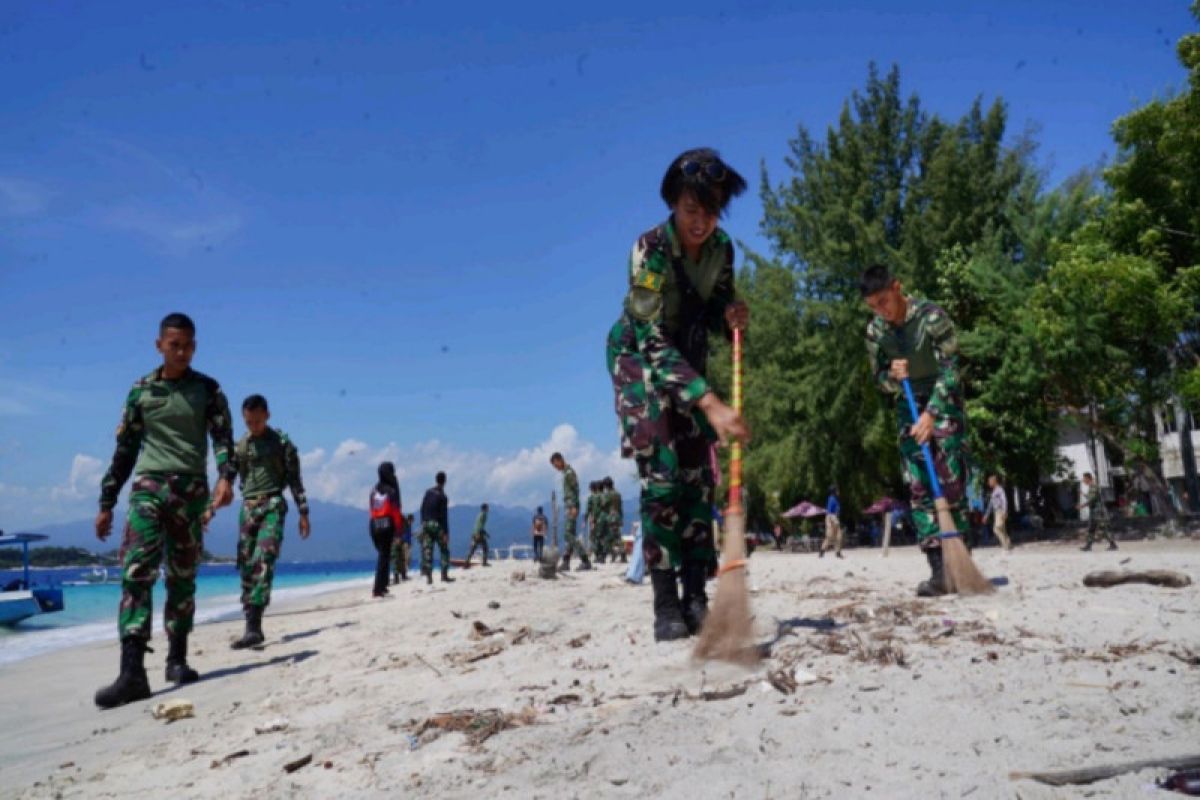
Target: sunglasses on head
column 713, row 170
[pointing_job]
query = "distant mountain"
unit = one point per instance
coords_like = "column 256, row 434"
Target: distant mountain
column 339, row 532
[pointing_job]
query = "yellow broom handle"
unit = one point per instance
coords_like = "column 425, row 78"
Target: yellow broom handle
column 735, row 460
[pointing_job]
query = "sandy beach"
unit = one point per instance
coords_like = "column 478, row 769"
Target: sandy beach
column 562, row 691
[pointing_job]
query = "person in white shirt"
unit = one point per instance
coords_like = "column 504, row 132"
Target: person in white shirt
column 998, row 509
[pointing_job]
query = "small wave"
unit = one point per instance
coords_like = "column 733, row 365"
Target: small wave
column 221, row 608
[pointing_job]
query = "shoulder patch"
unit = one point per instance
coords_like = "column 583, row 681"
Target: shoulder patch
column 648, row 279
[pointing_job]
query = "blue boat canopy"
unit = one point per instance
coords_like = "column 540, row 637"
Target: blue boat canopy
column 21, row 538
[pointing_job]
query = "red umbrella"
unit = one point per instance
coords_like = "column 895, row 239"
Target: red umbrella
column 804, row 509
column 882, row 505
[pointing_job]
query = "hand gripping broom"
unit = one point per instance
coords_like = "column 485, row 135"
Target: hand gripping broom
column 962, row 576
column 727, row 631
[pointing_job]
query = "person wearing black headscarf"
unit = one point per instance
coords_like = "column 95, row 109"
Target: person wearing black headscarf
column 385, row 523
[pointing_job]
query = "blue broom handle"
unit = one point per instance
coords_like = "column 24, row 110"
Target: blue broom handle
column 912, row 407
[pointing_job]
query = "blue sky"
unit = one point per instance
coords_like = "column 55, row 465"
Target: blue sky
column 407, row 223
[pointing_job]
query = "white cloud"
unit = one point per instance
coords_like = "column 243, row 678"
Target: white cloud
column 22, row 198
column 178, row 233
column 521, row 478
column 30, row 506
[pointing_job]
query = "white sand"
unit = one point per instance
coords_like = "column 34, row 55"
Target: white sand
column 1025, row 681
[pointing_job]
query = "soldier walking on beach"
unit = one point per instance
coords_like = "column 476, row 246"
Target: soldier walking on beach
column 1097, row 513
column 681, row 289
column 435, row 529
column 616, row 521
column 912, row 338
column 161, row 439
column 402, row 551
column 571, row 510
column 602, row 530
column 479, row 538
column 268, row 462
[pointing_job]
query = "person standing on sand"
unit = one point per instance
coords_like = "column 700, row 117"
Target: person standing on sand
column 681, row 289
column 998, row 510
column 268, row 462
column 161, row 439
column 833, row 525
column 479, row 538
column 914, row 339
column 602, row 533
column 1097, row 513
column 386, row 521
column 538, row 530
column 435, row 529
column 590, row 511
column 616, row 514
column 570, row 491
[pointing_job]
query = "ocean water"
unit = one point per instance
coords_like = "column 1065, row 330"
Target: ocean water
column 90, row 612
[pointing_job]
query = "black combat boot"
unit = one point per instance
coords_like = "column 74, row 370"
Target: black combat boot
column 600, row 559
column 584, row 564
column 694, row 576
column 565, row 566
column 428, row 573
column 669, row 624
column 253, row 635
column 936, row 585
column 446, row 574
column 178, row 670
column 132, row 684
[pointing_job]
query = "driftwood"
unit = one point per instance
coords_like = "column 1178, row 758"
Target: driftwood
column 1092, row 774
column 1157, row 577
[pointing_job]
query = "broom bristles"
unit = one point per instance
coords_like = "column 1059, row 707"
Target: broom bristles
column 728, row 628
column 962, row 576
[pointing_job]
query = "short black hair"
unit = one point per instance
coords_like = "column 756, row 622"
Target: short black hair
column 539, row 509
column 177, row 320
column 557, row 457
column 255, row 402
column 713, row 193
column 607, row 483
column 875, row 278
column 484, row 507
column 440, row 478
column 1087, row 474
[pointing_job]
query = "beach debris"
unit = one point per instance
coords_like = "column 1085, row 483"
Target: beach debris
column 522, row 634
column 482, row 631
column 723, row 694
column 1092, row 774
column 299, row 763
column 173, row 710
column 494, row 605
column 1155, row 577
column 478, row 653
column 456, row 614
column 272, row 726
column 1187, row 656
column 566, row 699
column 478, row 726
column 517, row 577
column 421, row 658
column 220, row 762
column 579, row 641
column 1186, row 782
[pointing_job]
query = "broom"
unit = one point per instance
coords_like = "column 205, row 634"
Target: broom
column 962, row 576
column 726, row 635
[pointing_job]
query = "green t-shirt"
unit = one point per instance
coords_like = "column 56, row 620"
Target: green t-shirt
column 268, row 464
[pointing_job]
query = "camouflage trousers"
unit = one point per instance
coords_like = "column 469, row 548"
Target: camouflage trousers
column 1098, row 523
column 164, row 521
column 478, row 541
column 949, row 448
column 431, row 534
column 677, row 490
column 600, row 536
column 570, row 533
column 260, row 537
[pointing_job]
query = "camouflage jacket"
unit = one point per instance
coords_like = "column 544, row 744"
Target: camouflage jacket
column 570, row 487
column 927, row 340
column 672, row 305
column 163, row 430
column 268, row 464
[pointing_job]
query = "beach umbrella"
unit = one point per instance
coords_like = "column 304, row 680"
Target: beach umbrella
column 804, row 509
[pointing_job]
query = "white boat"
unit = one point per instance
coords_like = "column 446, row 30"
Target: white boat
column 19, row 599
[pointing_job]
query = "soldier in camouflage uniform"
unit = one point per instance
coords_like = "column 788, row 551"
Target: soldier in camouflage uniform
column 912, row 338
column 602, row 529
column 435, row 529
column 268, row 462
column 402, row 551
column 1097, row 513
column 162, row 440
column 616, row 522
column 681, row 289
column 571, row 512
column 589, row 513
column 479, row 538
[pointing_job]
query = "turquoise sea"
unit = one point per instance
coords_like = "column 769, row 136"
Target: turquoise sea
column 90, row 612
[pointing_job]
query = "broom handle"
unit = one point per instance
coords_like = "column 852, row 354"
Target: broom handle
column 735, row 458
column 933, row 478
